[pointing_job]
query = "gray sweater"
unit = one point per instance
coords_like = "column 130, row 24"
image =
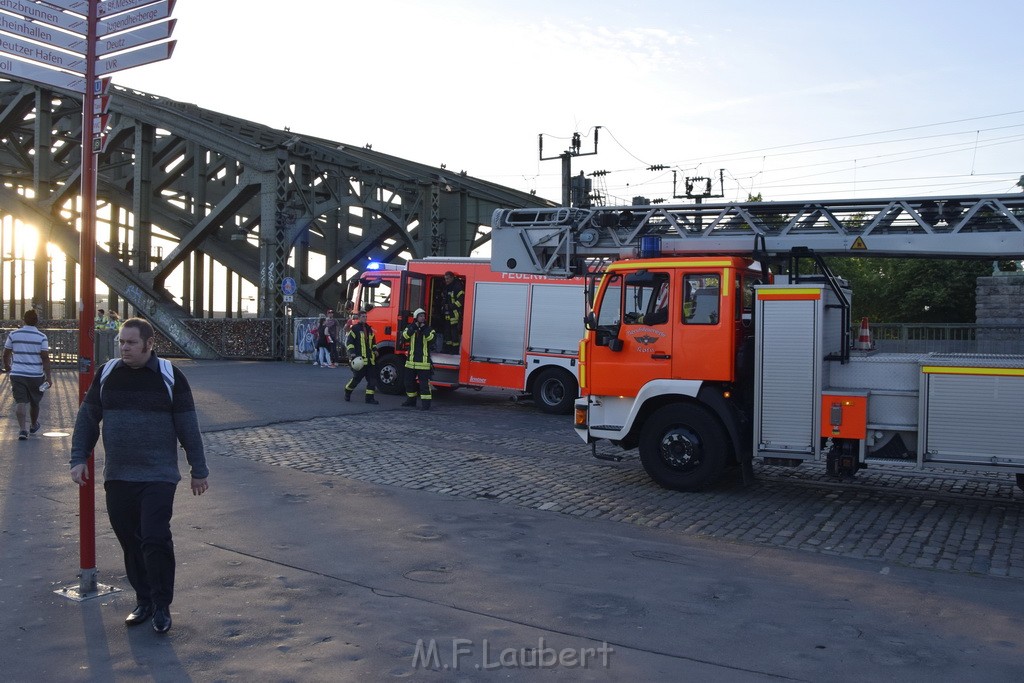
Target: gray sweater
column 141, row 425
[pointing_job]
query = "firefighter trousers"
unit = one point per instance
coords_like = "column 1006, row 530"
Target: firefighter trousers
column 417, row 380
column 369, row 371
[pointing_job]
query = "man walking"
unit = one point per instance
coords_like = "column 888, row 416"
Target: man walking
column 146, row 407
column 418, row 335
column 27, row 361
column 362, row 353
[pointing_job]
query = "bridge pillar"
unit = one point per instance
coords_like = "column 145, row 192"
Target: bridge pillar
column 274, row 247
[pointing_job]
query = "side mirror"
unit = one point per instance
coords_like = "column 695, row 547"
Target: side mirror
column 590, row 321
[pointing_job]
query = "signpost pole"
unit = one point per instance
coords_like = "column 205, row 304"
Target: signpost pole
column 87, row 287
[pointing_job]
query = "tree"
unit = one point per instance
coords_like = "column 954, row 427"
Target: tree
column 913, row 290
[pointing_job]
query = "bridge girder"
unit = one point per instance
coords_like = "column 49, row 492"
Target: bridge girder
column 261, row 202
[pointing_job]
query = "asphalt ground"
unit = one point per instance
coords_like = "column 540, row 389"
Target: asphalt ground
column 480, row 541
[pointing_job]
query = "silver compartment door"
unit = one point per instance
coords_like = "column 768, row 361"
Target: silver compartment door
column 556, row 319
column 499, row 310
column 787, row 378
column 974, row 419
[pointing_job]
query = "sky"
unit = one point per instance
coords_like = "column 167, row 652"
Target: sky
column 790, row 99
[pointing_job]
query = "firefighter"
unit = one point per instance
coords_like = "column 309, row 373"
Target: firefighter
column 419, row 335
column 452, row 299
column 362, row 352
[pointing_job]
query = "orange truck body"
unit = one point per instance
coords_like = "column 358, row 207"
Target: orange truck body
column 519, row 332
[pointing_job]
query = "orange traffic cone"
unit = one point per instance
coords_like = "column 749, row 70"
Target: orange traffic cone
column 864, row 338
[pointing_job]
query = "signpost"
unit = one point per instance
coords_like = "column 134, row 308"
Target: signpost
column 67, row 44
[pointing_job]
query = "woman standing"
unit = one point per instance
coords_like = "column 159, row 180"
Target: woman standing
column 323, row 344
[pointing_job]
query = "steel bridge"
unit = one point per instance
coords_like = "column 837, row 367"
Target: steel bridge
column 187, row 196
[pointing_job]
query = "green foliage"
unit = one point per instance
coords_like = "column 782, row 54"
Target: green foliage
column 912, row 290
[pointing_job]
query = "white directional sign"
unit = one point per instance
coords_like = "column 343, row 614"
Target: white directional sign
column 108, row 7
column 80, row 6
column 126, row 60
column 45, row 14
column 130, row 39
column 44, row 34
column 42, row 75
column 44, row 55
column 140, row 17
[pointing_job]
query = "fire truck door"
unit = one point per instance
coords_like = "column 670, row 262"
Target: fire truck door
column 413, row 295
column 634, row 336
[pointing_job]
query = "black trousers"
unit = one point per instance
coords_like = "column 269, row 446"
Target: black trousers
column 417, row 379
column 140, row 514
column 369, row 371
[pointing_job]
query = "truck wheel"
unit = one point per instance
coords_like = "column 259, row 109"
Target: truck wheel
column 391, row 374
column 555, row 391
column 684, row 447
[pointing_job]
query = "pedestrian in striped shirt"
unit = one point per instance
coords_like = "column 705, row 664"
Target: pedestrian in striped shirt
column 27, row 360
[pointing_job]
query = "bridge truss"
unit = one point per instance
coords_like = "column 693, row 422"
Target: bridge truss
column 259, row 203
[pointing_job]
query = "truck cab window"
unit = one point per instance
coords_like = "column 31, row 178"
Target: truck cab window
column 647, row 298
column 701, row 299
column 377, row 294
column 609, row 313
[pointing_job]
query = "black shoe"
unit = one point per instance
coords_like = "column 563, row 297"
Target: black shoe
column 162, row 619
column 371, row 399
column 409, row 403
column 139, row 615
column 348, row 395
column 23, row 435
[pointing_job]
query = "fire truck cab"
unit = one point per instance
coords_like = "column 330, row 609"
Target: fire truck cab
column 668, row 336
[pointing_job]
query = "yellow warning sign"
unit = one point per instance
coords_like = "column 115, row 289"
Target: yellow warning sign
column 859, row 244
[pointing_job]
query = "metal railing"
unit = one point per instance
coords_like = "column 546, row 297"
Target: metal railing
column 947, row 338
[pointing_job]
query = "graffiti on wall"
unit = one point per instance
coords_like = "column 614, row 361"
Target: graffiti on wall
column 305, row 341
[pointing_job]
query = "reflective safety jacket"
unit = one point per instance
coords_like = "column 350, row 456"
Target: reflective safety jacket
column 419, row 338
column 361, row 341
column 453, row 298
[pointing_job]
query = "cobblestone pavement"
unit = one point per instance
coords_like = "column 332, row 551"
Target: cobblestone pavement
column 513, row 455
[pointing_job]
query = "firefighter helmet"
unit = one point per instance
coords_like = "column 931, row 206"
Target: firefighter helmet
column 417, row 312
column 358, row 363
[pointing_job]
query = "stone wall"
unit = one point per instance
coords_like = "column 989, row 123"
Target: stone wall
column 1000, row 299
column 1000, row 302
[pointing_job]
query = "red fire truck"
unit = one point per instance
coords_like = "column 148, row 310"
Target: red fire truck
column 519, row 331
column 700, row 358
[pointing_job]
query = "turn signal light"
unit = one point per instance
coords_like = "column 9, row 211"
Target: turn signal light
column 581, row 416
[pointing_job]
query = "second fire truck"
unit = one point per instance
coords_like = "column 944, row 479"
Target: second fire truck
column 699, row 357
column 518, row 331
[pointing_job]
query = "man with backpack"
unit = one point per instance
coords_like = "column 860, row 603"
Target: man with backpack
column 146, row 409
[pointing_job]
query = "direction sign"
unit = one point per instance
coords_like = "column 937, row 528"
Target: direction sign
column 42, row 75
column 108, row 7
column 44, row 34
column 140, row 17
column 126, row 60
column 45, row 15
column 140, row 36
column 288, row 286
column 38, row 53
column 80, row 6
